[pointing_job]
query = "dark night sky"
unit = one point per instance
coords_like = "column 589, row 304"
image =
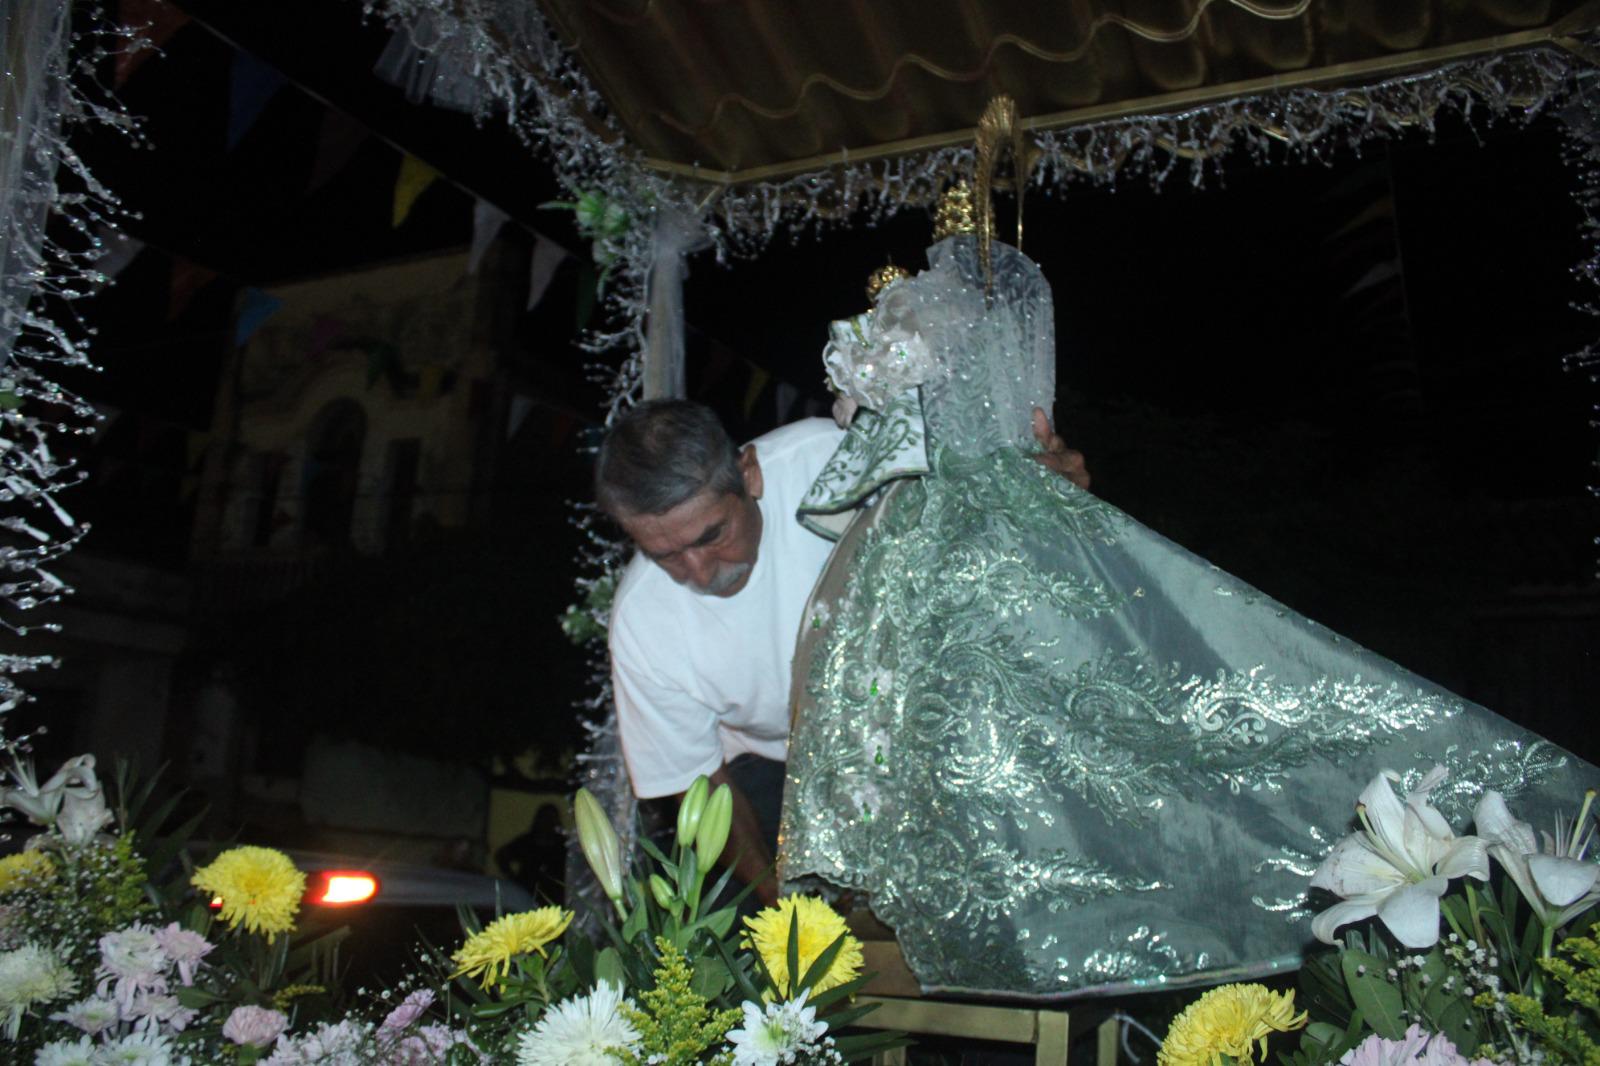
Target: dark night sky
column 1402, row 470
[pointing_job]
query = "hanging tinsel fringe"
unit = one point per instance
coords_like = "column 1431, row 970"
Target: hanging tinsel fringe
column 550, row 103
column 55, row 220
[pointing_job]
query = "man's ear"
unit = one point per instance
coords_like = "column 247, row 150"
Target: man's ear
column 750, row 467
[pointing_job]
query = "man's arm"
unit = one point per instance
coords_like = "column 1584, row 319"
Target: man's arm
column 746, row 850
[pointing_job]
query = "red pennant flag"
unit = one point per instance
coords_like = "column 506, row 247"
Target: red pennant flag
column 188, row 278
column 337, row 142
column 157, row 20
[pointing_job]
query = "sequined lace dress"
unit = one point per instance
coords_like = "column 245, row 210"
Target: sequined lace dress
column 1057, row 752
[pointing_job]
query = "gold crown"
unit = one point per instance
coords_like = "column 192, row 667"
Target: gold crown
column 882, row 278
column 956, row 213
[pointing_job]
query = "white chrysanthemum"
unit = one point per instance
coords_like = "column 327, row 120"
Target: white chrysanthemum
column 145, row 1046
column 581, row 1031
column 29, row 976
column 777, row 1035
column 93, row 1015
column 62, row 1053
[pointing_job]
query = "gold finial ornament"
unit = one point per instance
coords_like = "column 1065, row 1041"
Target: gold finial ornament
column 955, row 213
column 998, row 130
column 882, row 278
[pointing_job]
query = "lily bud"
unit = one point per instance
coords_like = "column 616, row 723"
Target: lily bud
column 661, row 891
column 599, row 843
column 689, row 811
column 712, row 835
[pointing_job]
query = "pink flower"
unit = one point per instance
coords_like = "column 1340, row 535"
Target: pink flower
column 254, row 1026
column 406, row 1014
column 428, row 1045
column 1417, row 1048
column 185, row 948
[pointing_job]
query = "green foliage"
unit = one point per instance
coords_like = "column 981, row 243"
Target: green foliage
column 676, row 1024
column 1566, row 1026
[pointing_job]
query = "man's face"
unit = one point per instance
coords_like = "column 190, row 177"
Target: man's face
column 708, row 543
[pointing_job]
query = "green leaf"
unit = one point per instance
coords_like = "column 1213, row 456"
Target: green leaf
column 823, row 1000
column 608, row 967
column 710, row 979
column 793, row 959
column 1322, row 1034
column 820, row 966
column 1375, row 997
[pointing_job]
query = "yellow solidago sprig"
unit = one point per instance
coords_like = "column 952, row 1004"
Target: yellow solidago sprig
column 1228, row 1023
column 24, row 869
column 819, row 926
column 487, row 954
column 258, row 888
column 676, row 1024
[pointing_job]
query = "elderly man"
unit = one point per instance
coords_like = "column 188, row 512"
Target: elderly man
column 705, row 618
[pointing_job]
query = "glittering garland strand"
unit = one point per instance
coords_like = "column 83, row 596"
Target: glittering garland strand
column 55, row 219
column 548, row 101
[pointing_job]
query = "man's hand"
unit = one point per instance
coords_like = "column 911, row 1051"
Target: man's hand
column 1056, row 455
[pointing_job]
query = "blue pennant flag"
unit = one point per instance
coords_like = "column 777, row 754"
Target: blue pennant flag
column 252, row 84
column 258, row 306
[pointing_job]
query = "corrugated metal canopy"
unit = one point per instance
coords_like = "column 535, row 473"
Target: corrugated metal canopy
column 736, row 90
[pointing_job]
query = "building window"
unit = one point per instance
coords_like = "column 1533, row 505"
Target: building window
column 332, row 471
column 405, row 459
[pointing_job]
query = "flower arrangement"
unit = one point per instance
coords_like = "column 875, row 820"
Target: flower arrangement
column 114, row 948
column 1441, row 962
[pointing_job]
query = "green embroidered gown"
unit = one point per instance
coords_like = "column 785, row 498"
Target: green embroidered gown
column 1057, row 752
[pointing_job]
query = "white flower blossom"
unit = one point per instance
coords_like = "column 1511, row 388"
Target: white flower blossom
column 80, row 1052
column 1399, row 866
column 93, row 1015
column 146, row 1045
column 185, row 948
column 778, row 1034
column 581, row 1031
column 1558, row 880
column 131, row 962
column 30, row 976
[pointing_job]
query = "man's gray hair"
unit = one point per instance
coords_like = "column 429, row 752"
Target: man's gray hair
column 661, row 453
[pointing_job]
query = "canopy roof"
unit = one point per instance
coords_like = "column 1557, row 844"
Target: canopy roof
column 742, row 91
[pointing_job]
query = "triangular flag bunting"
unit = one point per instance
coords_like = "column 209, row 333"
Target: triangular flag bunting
column 521, row 405
column 155, row 22
column 117, row 251
column 188, row 278
column 252, row 84
column 758, row 381
column 415, row 176
column 486, row 222
column 547, row 256
column 258, row 306
column 337, row 142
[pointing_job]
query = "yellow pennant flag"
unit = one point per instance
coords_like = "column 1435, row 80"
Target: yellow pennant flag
column 415, row 176
column 752, row 392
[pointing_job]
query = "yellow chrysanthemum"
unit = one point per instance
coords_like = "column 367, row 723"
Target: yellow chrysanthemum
column 490, row 950
column 258, row 888
column 820, row 925
column 1232, row 1020
column 23, row 868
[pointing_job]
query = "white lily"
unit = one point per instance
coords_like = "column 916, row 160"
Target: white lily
column 73, row 787
column 1399, row 866
column 1558, row 880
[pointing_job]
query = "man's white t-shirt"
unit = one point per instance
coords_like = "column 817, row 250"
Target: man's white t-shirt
column 701, row 679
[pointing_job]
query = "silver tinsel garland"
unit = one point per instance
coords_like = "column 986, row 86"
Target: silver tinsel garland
column 542, row 92
column 55, row 219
